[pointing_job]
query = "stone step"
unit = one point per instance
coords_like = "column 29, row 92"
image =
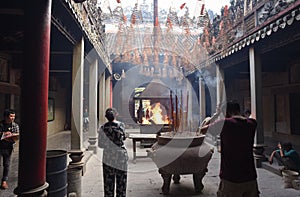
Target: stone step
column 274, row 168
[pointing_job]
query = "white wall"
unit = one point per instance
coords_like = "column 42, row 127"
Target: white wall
column 59, row 121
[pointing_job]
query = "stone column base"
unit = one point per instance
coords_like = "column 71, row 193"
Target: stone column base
column 93, row 146
column 36, row 192
column 259, row 156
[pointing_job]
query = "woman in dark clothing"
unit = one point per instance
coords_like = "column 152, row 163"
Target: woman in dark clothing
column 111, row 139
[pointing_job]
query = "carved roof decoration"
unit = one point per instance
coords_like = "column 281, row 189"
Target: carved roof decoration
column 261, row 20
column 88, row 15
column 266, row 29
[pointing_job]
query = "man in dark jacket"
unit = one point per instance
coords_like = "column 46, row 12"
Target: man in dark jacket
column 237, row 172
column 8, row 132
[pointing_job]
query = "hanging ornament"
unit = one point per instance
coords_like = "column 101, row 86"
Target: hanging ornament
column 118, row 1
column 199, row 41
column 202, row 10
column 133, row 19
column 182, row 6
column 221, row 25
column 169, row 24
column 226, row 10
column 213, row 40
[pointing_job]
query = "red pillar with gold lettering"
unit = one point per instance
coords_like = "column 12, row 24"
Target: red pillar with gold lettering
column 34, row 99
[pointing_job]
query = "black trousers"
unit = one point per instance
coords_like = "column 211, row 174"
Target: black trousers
column 111, row 177
column 5, row 153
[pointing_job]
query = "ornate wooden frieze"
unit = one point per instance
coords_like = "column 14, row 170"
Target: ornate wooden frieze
column 272, row 8
column 249, row 23
column 286, row 19
column 88, row 15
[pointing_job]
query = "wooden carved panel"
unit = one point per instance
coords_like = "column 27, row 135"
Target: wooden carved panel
column 3, row 69
column 250, row 23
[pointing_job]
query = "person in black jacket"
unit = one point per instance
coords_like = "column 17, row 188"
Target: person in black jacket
column 8, row 128
column 115, row 158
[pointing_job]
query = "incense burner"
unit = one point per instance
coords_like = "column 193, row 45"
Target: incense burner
column 185, row 138
column 178, row 153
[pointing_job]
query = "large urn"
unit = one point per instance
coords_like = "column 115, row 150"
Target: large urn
column 177, row 153
column 188, row 139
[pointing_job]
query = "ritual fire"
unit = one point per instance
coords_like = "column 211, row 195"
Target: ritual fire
column 154, row 115
column 157, row 108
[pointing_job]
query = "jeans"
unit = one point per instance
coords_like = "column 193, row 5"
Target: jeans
column 6, row 156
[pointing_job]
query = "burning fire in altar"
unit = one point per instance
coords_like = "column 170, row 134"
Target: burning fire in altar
column 154, row 115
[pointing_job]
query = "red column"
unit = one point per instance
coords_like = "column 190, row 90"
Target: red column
column 111, row 92
column 34, row 99
column 155, row 14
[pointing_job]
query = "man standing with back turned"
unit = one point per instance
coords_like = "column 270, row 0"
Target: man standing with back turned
column 237, row 172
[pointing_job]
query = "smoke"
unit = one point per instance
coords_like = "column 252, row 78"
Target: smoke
column 134, row 77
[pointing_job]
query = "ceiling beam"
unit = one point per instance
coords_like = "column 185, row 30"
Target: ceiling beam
column 61, row 52
column 9, row 11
